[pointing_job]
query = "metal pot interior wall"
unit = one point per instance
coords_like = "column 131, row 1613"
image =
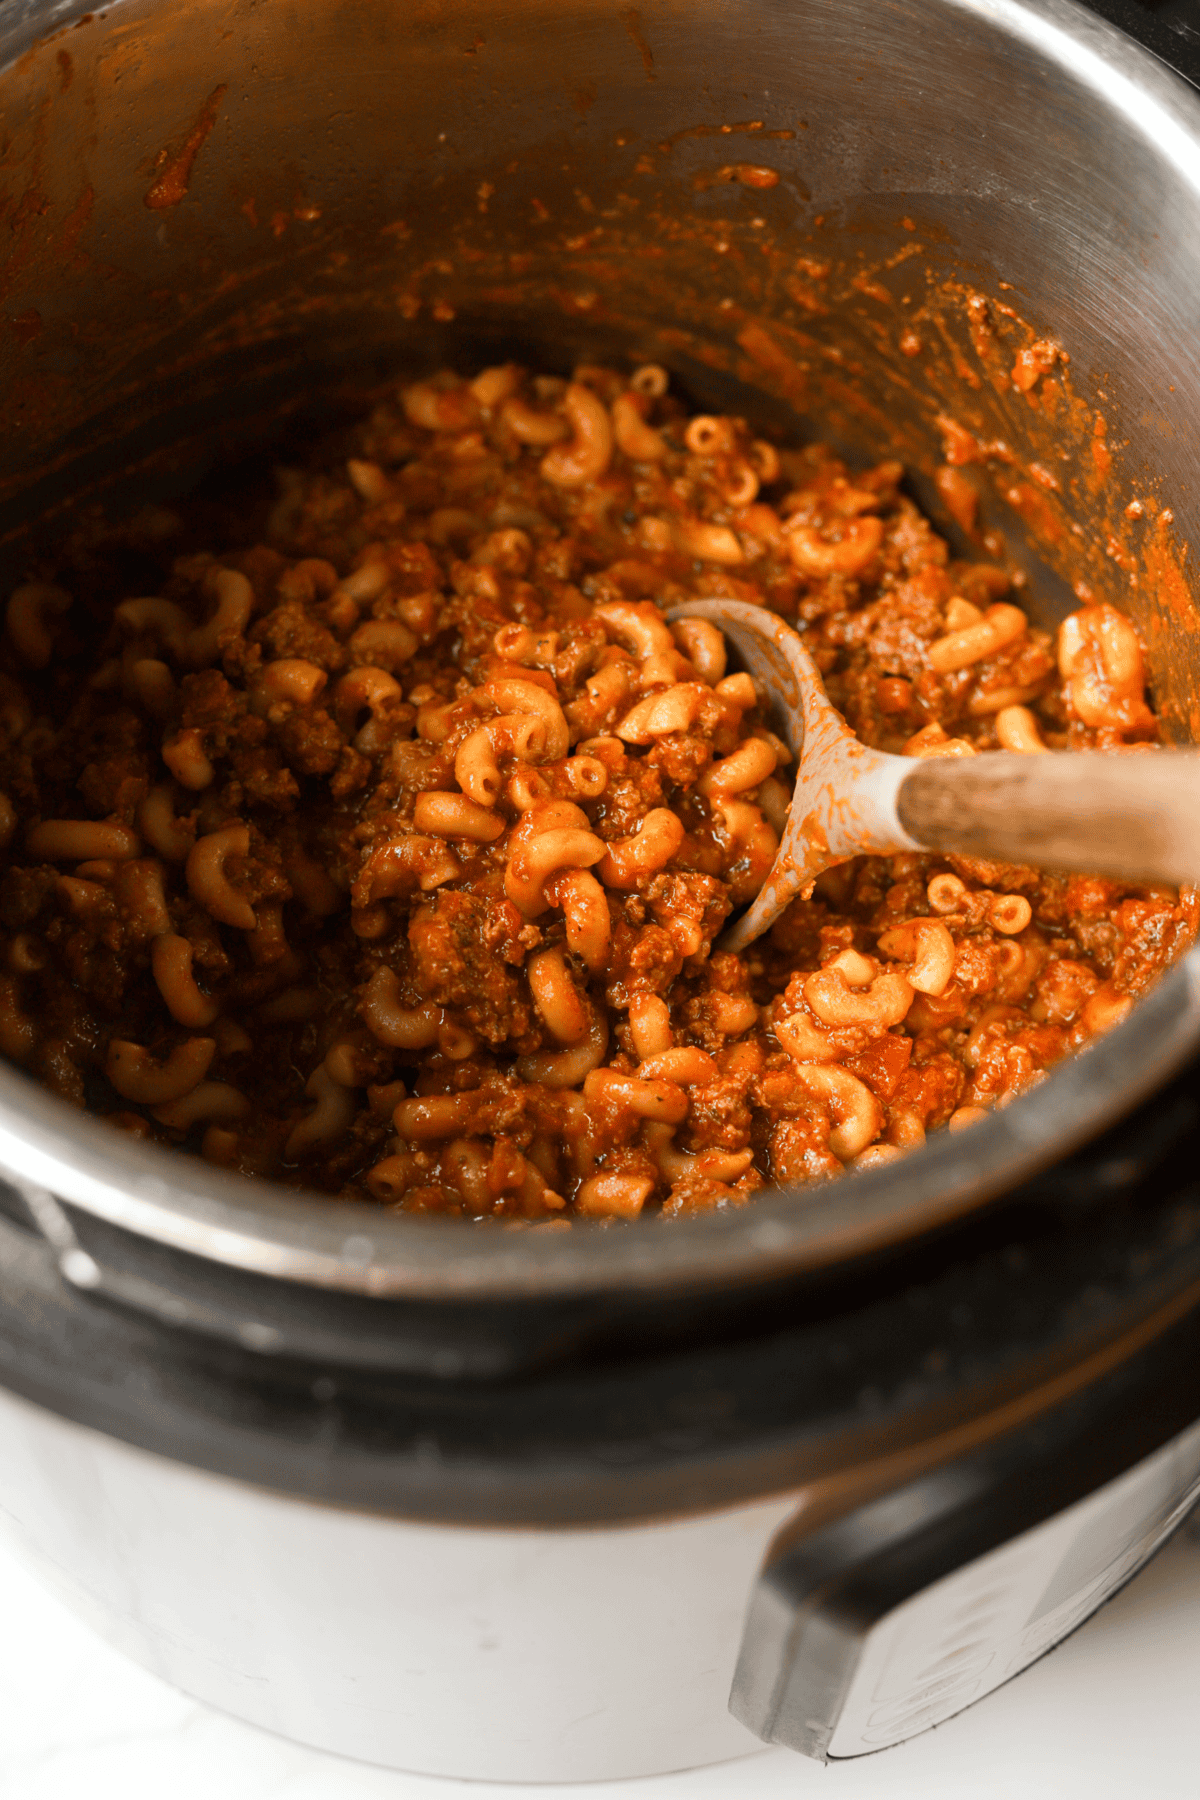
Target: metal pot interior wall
column 218, row 207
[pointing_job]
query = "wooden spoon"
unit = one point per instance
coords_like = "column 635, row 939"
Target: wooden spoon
column 1131, row 817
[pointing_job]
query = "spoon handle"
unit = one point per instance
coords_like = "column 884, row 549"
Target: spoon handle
column 1133, row 816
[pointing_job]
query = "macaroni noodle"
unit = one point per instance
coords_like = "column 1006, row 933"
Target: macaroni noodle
column 389, row 855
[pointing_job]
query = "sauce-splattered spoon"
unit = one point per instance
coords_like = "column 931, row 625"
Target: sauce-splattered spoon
column 1130, row 817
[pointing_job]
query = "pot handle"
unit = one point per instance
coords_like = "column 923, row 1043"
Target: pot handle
column 881, row 1623
column 1171, row 31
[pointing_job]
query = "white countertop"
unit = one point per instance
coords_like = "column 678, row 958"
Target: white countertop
column 1111, row 1715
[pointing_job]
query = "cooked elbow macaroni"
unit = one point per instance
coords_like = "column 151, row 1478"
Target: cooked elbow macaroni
column 387, row 853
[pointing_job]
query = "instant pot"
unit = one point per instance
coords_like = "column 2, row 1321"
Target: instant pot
column 820, row 1472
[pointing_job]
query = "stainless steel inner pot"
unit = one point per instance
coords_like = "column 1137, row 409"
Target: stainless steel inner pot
column 216, row 210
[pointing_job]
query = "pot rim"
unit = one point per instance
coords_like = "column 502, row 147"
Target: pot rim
column 353, row 1247
column 261, row 1227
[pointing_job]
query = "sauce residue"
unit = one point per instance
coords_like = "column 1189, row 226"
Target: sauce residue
column 172, row 183
column 631, row 20
column 751, row 175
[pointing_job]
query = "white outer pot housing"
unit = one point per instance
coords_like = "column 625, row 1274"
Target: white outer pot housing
column 497, row 1655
